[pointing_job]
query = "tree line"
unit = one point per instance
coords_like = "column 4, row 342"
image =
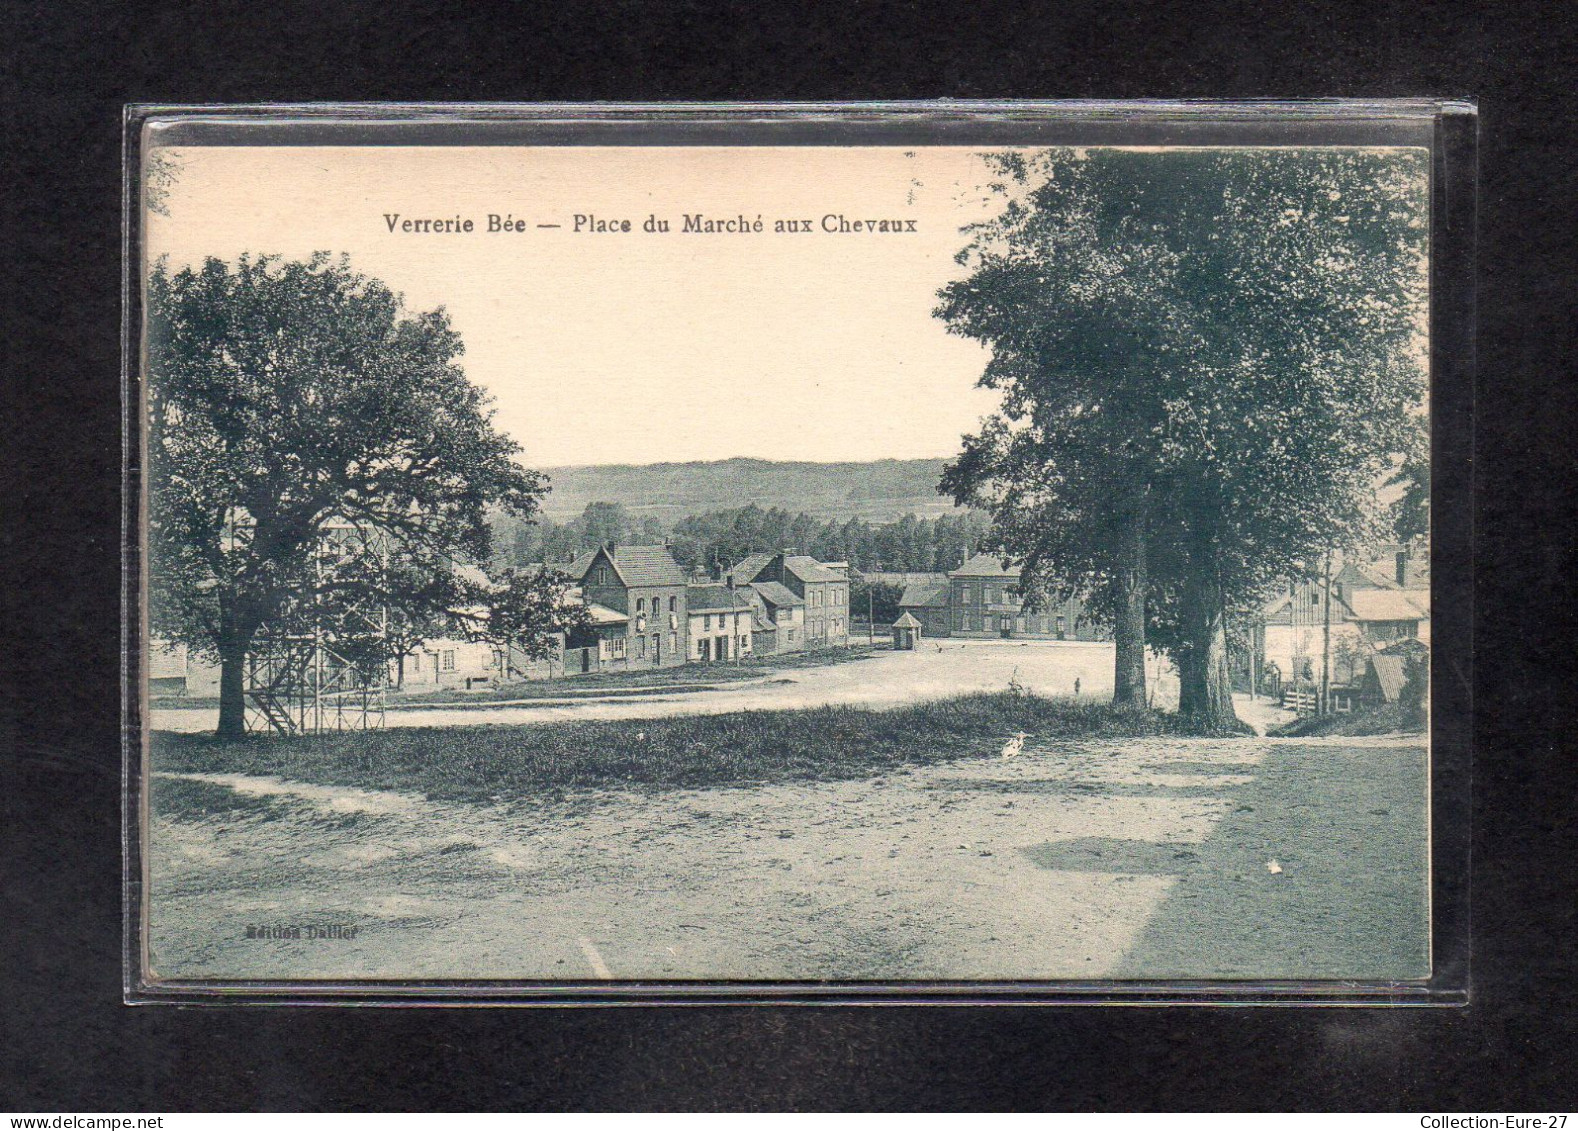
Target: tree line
column 909, row 544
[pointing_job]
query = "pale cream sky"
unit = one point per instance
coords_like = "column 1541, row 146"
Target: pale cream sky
column 642, row 348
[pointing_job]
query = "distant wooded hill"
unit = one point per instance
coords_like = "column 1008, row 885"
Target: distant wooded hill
column 879, row 491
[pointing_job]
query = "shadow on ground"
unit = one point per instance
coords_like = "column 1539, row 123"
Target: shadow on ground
column 1346, row 826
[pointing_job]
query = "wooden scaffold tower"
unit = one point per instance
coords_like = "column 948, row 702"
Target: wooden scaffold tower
column 322, row 670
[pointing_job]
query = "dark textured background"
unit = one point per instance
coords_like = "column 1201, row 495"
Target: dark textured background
column 65, row 1041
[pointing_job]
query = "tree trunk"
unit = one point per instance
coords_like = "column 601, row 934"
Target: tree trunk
column 1128, row 633
column 1205, row 690
column 232, row 690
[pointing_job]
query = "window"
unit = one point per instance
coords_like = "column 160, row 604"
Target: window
column 449, row 660
column 791, row 636
column 745, row 643
column 673, row 621
column 964, row 595
column 706, row 621
column 671, row 606
column 641, row 604
column 673, row 642
column 641, row 647
column 657, row 646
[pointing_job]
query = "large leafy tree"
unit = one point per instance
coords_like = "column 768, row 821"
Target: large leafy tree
column 315, row 453
column 1207, row 359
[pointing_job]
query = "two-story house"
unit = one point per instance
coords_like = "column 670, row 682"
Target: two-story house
column 823, row 587
column 983, row 601
column 721, row 622
column 646, row 586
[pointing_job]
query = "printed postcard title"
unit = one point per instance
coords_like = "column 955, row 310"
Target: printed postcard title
column 685, row 223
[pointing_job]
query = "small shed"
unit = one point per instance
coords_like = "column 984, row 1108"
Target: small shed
column 1384, row 677
column 906, row 633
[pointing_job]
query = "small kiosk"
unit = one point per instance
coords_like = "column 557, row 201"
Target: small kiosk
column 906, row 633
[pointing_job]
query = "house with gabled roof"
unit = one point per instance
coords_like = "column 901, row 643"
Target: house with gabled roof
column 784, row 610
column 1377, row 597
column 984, row 601
column 822, row 587
column 646, row 586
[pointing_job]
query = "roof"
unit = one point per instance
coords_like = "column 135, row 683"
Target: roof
column 906, row 621
column 636, row 565
column 807, row 568
column 760, row 623
column 803, row 566
column 1390, row 604
column 745, row 572
column 925, row 595
column 777, row 595
column 1390, row 675
column 602, row 614
column 712, row 598
column 985, row 565
column 1365, row 575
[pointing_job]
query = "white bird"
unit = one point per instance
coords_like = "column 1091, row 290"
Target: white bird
column 1015, row 745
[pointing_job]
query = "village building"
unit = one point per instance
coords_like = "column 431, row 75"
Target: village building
column 823, row 589
column 1375, row 599
column 174, row 670
column 645, row 585
column 925, row 600
column 721, row 623
column 980, row 600
column 783, row 611
column 446, row 662
column 1387, row 672
column 906, row 633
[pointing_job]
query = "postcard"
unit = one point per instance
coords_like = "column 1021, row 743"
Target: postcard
column 808, row 563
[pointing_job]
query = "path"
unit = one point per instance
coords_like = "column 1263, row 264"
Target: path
column 885, row 679
column 1137, row 858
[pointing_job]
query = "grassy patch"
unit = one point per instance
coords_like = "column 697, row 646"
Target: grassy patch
column 751, row 747
column 185, row 799
column 1389, row 719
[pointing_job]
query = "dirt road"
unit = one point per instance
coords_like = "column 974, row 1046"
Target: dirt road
column 1231, row 858
column 885, row 679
